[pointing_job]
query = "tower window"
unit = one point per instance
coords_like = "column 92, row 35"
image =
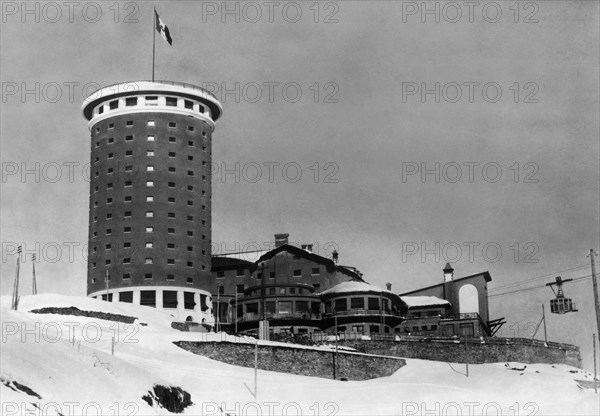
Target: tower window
column 127, row 244
column 108, row 216
column 190, row 218
column 190, row 281
column 107, row 263
column 128, row 183
column 172, row 140
column 127, row 198
column 149, row 214
column 111, row 140
column 190, row 248
column 172, row 154
column 126, row 260
column 109, row 185
column 172, row 124
column 149, row 244
column 129, row 153
column 150, row 153
column 114, row 104
column 149, row 229
column 171, row 184
column 109, row 170
column 130, row 102
column 190, row 264
column 128, row 168
column 172, row 169
column 201, row 108
column 190, row 203
column 127, row 229
column 97, row 144
column 126, row 276
column 149, row 260
column 171, row 101
column 171, row 230
column 151, row 123
column 171, row 199
column 190, row 128
column 297, row 272
column 149, row 198
column 149, row 168
column 170, row 262
column 171, row 245
column 148, row 276
column 110, row 155
column 150, row 183
column 101, row 109
column 129, row 123
column 190, row 142
column 190, row 187
column 111, row 125
column 189, row 104
column 190, row 157
column 150, row 138
column 151, row 100
column 170, row 277
column 190, row 233
column 171, row 215
column 128, row 138
column 109, row 200
column 108, row 231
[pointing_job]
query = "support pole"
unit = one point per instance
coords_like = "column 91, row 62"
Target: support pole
column 544, row 319
column 255, row 369
column 595, row 374
column 153, row 39
column 15, row 299
column 595, row 284
column 106, row 277
column 34, row 288
column 467, row 354
column 235, row 317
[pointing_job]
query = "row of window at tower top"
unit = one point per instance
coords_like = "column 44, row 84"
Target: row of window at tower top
column 152, row 101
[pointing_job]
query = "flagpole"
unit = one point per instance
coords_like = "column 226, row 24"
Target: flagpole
column 153, row 39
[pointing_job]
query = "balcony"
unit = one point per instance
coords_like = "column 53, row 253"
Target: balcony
column 249, row 317
column 359, row 312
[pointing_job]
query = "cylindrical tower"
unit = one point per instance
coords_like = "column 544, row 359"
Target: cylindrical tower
column 150, row 196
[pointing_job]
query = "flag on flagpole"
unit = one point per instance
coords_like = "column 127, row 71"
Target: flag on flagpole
column 162, row 28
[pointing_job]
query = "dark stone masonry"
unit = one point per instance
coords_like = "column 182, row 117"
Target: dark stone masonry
column 301, row 361
column 480, row 351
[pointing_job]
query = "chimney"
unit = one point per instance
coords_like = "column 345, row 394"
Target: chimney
column 388, row 286
column 334, row 256
column 449, row 294
column 448, row 273
column 281, row 239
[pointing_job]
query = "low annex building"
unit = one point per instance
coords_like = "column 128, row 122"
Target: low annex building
column 293, row 290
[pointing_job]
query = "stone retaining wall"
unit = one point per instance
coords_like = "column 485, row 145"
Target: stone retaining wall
column 302, row 361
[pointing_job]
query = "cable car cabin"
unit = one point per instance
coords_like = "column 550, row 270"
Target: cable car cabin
column 562, row 305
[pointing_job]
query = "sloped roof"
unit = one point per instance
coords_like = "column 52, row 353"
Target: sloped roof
column 328, row 263
column 486, row 276
column 422, row 301
column 350, row 287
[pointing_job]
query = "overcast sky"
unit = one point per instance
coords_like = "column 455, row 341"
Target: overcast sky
column 361, row 133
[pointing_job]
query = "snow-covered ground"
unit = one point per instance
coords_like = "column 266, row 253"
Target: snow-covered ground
column 67, row 361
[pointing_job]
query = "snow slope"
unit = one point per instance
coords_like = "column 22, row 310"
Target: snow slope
column 67, row 361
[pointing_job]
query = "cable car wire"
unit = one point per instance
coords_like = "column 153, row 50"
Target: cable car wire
column 534, row 287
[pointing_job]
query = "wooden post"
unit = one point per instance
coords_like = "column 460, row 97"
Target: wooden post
column 15, row 300
column 595, row 373
column 112, row 347
column 34, row 288
column 255, row 369
column 467, row 354
column 544, row 319
column 595, row 287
